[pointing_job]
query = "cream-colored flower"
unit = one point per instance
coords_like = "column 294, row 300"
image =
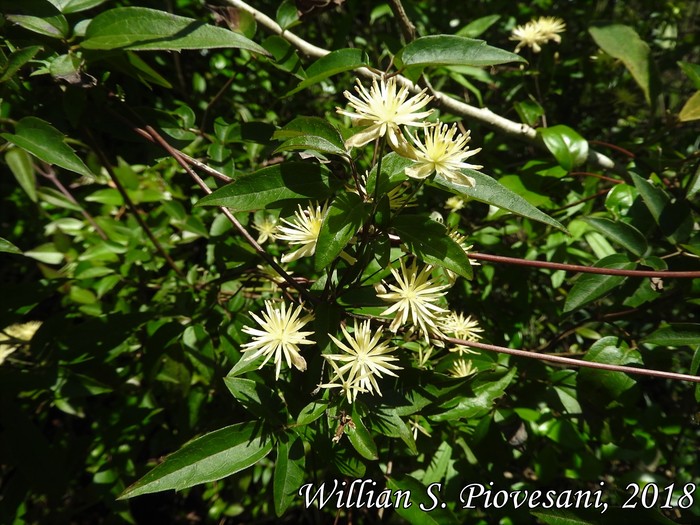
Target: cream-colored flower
column 22, row 332
column 267, row 228
column 350, row 386
column 280, row 336
column 303, row 229
column 414, row 296
column 365, row 358
column 401, row 196
column 460, row 327
column 462, row 241
column 454, row 204
column 537, row 32
column 383, row 110
column 444, row 153
column 462, row 368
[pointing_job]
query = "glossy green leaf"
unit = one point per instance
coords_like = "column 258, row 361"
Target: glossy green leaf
column 388, row 423
column 287, row 14
column 622, row 233
column 439, row 464
column 694, row 185
column 568, row 147
column 333, row 63
column 141, row 28
column 256, row 397
column 620, row 198
column 7, row 247
column 16, row 60
column 20, row 164
column 272, row 186
column 45, row 142
column 52, row 26
column 289, row 472
column 692, row 71
column 680, row 334
column 691, row 109
column 344, row 218
column 423, row 510
column 285, row 56
column 447, row 50
column 529, row 111
column 590, row 286
column 561, row 517
column 210, row 457
column 488, row 190
column 428, row 240
column 609, row 350
column 75, row 6
column 312, row 412
column 66, row 68
column 310, row 133
column 477, row 27
column 622, row 42
column 486, row 387
column 360, row 437
column 674, row 218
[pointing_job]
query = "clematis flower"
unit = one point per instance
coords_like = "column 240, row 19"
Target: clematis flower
column 302, row 230
column 443, row 152
column 383, row 110
column 365, row 358
column 537, row 32
column 267, row 228
column 414, row 296
column 461, row 327
column 462, row 368
column 279, row 336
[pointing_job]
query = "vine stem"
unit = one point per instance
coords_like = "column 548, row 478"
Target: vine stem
column 446, row 102
column 575, row 362
column 582, row 269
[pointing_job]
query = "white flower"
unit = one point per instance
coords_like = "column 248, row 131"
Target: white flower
column 461, row 327
column 280, row 336
column 383, row 110
column 303, row 229
column 462, row 368
column 267, row 228
column 23, row 332
column 537, row 32
column 414, row 295
column 350, row 386
column 444, row 153
column 365, row 358
column 454, row 204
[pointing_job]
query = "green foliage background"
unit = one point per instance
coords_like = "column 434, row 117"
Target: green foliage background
column 142, row 295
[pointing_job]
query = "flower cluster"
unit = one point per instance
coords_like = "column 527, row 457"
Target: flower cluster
column 383, row 110
column 537, row 32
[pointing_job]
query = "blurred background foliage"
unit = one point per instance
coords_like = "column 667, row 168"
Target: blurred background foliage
column 140, row 294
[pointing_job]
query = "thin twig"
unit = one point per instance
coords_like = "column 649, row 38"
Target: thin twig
column 582, row 269
column 130, row 204
column 260, row 251
column 447, row 103
column 48, row 172
column 575, row 362
column 408, row 30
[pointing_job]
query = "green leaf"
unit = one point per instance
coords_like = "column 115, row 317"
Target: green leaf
column 692, row 71
column 450, row 50
column 388, row 423
column 344, row 218
column 52, row 26
column 622, row 233
column 360, row 437
column 271, row 186
column 674, row 218
column 590, row 286
column 561, row 517
column 7, row 247
column 439, row 464
column 488, row 190
column 428, row 240
column 45, row 142
column 20, row 164
column 680, row 334
column 311, row 412
column 691, row 109
column 310, row 133
column 140, row 28
column 287, row 14
column 608, row 350
column 75, row 6
column 622, row 42
column 477, row 27
column 568, row 147
column 256, row 397
column 486, row 390
column 66, row 68
column 289, row 472
column 16, row 60
column 285, row 56
column 333, row 63
column 210, row 457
